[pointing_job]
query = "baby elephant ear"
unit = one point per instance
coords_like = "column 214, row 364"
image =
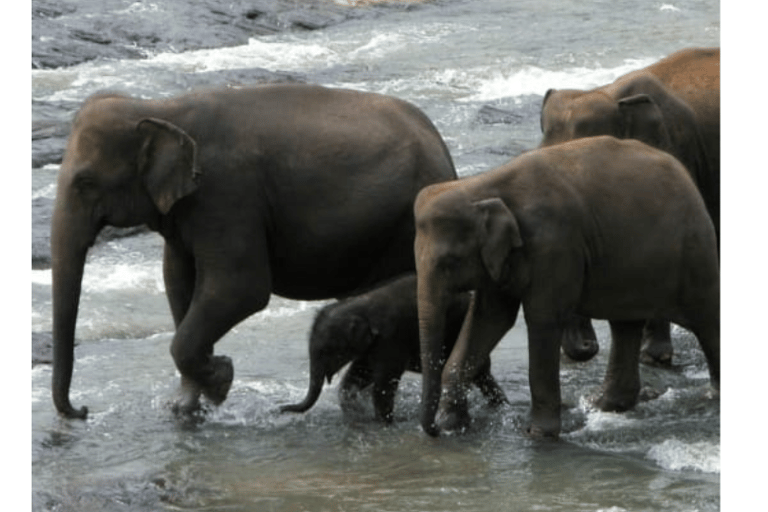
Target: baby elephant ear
column 500, row 235
column 167, row 162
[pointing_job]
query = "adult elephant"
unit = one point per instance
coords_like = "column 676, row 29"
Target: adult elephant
column 673, row 105
column 598, row 227
column 299, row 190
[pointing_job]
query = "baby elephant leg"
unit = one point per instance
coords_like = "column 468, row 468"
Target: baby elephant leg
column 384, row 388
column 488, row 386
column 358, row 377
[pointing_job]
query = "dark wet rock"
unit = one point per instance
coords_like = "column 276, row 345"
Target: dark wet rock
column 493, row 115
column 42, row 210
column 91, row 29
column 238, row 77
column 42, row 348
column 51, row 124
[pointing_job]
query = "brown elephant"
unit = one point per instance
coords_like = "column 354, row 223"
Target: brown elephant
column 600, row 227
column 673, row 105
column 298, row 190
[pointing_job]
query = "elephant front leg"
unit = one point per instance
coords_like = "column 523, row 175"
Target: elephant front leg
column 358, row 377
column 384, row 389
column 657, row 343
column 192, row 349
column 489, row 317
column 621, row 387
column 544, row 378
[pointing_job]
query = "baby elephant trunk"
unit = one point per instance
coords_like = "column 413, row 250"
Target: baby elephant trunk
column 316, row 376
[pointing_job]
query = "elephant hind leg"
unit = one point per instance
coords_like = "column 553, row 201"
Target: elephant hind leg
column 657, row 343
column 621, row 386
column 706, row 328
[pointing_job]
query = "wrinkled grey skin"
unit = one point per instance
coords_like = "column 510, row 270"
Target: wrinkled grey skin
column 598, row 227
column 379, row 332
column 673, row 105
column 298, row 190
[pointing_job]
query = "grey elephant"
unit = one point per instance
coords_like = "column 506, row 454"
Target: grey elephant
column 600, row 227
column 298, row 190
column 378, row 331
column 673, row 105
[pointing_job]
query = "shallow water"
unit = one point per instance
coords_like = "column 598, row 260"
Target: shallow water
column 479, row 69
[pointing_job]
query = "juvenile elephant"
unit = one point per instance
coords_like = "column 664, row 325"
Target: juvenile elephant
column 379, row 332
column 673, row 105
column 298, row 190
column 598, row 227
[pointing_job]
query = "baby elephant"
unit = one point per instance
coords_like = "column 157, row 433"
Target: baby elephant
column 379, row 332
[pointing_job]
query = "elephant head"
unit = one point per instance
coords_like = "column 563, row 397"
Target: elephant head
column 460, row 245
column 122, row 167
column 337, row 338
column 570, row 114
column 636, row 106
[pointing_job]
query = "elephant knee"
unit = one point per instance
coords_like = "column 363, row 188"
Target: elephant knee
column 187, row 362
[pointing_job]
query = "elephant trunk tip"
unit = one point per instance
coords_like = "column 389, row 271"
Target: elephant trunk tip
column 293, row 408
column 70, row 412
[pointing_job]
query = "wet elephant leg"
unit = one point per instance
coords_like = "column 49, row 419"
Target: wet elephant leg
column 209, row 317
column 544, row 377
column 657, row 343
column 384, row 388
column 179, row 278
column 579, row 339
column 358, row 377
column 621, row 386
column 489, row 387
column 490, row 315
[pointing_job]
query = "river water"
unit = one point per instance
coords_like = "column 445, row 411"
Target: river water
column 479, row 69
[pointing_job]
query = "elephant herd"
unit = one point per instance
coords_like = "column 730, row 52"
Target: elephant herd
column 312, row 193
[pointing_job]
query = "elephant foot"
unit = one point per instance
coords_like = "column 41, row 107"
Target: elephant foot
column 656, row 353
column 218, row 383
column 543, row 433
column 188, row 398
column 617, row 402
column 455, row 420
column 580, row 341
column 215, row 388
column 545, row 423
column 656, row 348
column 497, row 401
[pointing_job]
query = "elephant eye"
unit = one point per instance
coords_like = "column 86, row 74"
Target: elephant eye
column 451, row 262
column 84, row 182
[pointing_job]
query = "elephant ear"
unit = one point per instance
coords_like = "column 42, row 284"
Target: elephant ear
column 360, row 333
column 500, row 234
column 643, row 120
column 167, row 162
column 543, row 104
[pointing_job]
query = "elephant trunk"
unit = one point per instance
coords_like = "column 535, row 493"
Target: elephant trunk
column 432, row 319
column 316, row 375
column 69, row 245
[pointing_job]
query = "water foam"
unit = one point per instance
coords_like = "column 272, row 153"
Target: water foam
column 529, row 79
column 108, row 276
column 676, row 455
